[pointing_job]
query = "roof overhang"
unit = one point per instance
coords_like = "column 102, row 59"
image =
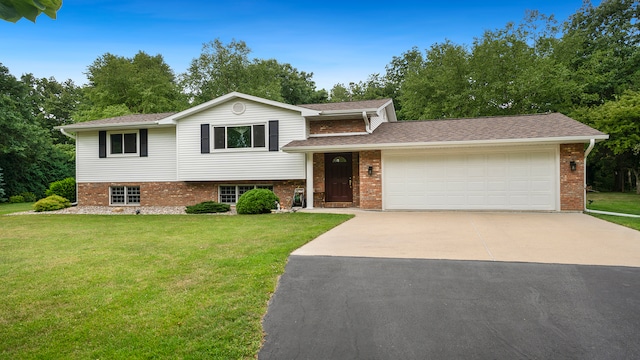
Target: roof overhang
column 444, row 144
column 232, row 96
column 130, row 125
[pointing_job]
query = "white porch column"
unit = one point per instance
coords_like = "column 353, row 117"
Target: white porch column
column 309, row 180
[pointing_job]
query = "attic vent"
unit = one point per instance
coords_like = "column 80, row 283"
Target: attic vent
column 238, row 108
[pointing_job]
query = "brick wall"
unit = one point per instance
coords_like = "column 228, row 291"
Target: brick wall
column 336, row 126
column 571, row 182
column 318, row 180
column 370, row 185
column 179, row 193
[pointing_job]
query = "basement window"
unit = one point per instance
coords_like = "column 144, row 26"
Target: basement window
column 124, row 195
column 229, row 194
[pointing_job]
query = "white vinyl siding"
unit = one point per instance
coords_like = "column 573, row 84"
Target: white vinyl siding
column 245, row 163
column 160, row 165
column 472, row 179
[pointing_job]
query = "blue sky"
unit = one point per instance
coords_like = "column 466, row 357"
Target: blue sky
column 339, row 41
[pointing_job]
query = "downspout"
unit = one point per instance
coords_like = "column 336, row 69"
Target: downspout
column 367, row 123
column 592, row 143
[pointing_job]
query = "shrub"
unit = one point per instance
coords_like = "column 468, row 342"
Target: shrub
column 256, row 201
column 65, row 188
column 16, row 199
column 50, row 203
column 208, row 207
column 28, row 196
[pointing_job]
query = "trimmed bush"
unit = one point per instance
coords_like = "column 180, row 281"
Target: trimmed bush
column 256, row 201
column 50, row 203
column 28, row 196
column 65, row 188
column 208, row 207
column 16, row 199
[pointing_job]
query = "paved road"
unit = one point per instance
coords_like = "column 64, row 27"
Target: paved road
column 373, row 308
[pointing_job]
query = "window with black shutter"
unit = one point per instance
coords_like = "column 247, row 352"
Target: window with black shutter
column 273, row 135
column 204, row 139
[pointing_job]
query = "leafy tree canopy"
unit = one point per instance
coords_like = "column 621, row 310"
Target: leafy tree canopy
column 144, row 84
column 14, row 10
column 223, row 68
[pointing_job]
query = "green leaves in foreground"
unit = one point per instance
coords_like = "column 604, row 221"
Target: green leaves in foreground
column 14, row 10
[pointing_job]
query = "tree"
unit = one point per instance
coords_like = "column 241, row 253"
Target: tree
column 27, row 155
column 620, row 119
column 14, row 10
column 2, row 192
column 144, row 84
column 53, row 103
column 437, row 86
column 601, row 47
column 221, row 69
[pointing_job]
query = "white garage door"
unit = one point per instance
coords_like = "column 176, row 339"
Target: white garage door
column 504, row 179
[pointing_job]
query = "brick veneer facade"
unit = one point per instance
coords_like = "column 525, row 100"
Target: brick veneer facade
column 179, row 193
column 367, row 189
column 571, row 182
column 370, row 185
column 336, row 126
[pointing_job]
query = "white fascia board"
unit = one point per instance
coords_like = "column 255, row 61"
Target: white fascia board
column 235, row 95
column 338, row 134
column 135, row 125
column 445, row 144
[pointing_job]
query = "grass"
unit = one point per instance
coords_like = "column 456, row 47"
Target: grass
column 134, row 287
column 626, row 203
column 6, row 208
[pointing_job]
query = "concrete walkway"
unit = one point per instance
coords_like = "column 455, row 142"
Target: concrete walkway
column 561, row 238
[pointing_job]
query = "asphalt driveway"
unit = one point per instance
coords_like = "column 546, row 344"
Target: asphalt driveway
column 371, row 308
column 418, row 285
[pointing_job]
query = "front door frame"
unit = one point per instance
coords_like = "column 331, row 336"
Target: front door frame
column 338, row 177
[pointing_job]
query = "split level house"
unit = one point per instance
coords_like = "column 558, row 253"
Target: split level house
column 352, row 154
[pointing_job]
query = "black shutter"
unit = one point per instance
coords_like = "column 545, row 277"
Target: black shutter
column 273, row 135
column 102, row 144
column 219, row 137
column 143, row 143
column 204, row 138
column 258, row 136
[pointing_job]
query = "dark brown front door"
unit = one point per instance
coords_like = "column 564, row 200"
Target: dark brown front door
column 338, row 177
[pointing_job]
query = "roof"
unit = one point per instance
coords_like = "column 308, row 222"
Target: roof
column 136, row 119
column 348, row 106
column 232, row 96
column 551, row 127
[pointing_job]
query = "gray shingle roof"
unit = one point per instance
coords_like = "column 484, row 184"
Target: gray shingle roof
column 126, row 119
column 538, row 126
column 351, row 105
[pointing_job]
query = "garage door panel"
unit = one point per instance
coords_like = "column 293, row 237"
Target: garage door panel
column 515, row 179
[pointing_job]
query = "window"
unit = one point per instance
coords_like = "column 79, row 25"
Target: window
column 123, row 143
column 239, row 137
column 124, row 195
column 229, row 194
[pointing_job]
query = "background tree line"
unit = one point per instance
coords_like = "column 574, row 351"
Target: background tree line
column 587, row 67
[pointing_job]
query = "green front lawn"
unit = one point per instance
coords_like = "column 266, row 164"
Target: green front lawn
column 121, row 286
column 626, row 203
column 6, row 208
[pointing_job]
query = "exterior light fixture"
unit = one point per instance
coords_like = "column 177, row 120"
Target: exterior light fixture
column 370, row 170
column 573, row 165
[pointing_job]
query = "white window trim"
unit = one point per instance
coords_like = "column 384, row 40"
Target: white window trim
column 136, row 154
column 253, row 148
column 126, row 195
column 255, row 186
